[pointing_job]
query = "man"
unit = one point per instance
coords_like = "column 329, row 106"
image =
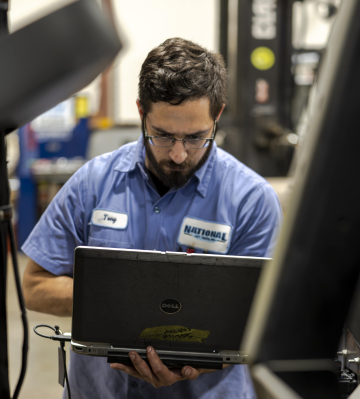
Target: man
column 174, row 171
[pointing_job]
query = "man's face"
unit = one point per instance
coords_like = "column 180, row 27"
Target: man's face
column 175, row 165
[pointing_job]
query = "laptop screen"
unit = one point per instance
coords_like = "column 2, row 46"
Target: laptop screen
column 170, row 301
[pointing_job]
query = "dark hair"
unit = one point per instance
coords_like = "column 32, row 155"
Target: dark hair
column 180, row 70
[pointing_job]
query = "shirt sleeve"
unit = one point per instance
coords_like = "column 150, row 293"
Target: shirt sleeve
column 258, row 224
column 61, row 228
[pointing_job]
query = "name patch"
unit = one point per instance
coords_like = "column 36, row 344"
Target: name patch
column 114, row 220
column 208, row 236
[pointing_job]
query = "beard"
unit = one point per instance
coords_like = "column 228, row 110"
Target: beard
column 176, row 178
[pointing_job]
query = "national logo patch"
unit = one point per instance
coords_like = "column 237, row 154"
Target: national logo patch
column 205, row 235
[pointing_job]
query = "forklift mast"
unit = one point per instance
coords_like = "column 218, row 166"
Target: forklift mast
column 256, row 43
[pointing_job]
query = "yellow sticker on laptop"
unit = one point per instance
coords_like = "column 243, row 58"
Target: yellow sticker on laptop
column 175, row 333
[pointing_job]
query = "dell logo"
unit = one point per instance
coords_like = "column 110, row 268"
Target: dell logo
column 170, row 306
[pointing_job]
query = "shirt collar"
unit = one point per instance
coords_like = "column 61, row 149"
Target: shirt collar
column 203, row 175
column 136, row 155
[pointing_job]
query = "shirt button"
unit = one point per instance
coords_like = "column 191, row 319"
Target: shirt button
column 157, row 209
column 134, row 384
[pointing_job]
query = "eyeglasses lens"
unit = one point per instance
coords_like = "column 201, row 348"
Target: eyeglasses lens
column 169, row 142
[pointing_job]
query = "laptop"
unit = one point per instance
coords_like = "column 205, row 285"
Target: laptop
column 192, row 308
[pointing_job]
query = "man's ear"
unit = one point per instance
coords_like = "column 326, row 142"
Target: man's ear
column 221, row 111
column 140, row 109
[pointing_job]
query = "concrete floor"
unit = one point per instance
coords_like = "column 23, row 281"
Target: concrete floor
column 41, row 380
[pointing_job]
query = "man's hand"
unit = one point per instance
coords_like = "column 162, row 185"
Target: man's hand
column 158, row 375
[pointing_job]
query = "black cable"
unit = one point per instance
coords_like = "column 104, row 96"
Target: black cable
column 42, row 335
column 62, row 344
column 66, row 376
column 23, row 311
column 62, row 340
column 4, row 200
column 58, row 334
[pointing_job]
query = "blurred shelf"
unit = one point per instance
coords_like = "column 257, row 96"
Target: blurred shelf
column 55, row 171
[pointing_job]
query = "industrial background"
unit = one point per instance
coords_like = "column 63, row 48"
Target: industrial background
column 272, row 49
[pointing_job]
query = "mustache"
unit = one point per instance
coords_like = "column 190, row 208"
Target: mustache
column 173, row 165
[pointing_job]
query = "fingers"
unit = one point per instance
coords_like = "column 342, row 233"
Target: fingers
column 157, row 374
column 163, row 376
column 126, row 369
column 190, row 373
column 204, row 371
column 176, row 372
column 157, row 366
column 143, row 369
column 139, row 369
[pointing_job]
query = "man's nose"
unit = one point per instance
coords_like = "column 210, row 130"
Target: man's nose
column 178, row 152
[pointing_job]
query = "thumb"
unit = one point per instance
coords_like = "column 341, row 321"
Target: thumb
column 190, row 373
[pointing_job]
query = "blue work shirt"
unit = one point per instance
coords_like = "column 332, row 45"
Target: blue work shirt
column 226, row 208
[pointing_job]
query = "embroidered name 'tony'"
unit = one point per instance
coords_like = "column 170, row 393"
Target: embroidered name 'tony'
column 109, row 218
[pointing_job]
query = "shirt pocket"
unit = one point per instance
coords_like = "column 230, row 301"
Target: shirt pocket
column 103, row 242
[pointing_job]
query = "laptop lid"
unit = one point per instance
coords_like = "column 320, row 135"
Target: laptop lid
column 172, row 301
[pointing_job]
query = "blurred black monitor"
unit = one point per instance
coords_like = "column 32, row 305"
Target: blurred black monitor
column 51, row 59
column 304, row 295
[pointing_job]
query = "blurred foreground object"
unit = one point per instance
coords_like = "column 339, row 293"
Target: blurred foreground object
column 42, row 65
column 42, row 70
column 304, row 296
